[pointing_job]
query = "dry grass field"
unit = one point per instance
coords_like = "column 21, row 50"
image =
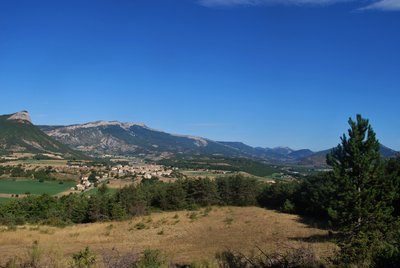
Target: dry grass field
column 184, row 236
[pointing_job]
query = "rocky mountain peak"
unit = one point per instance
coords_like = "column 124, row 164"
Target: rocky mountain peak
column 22, row 116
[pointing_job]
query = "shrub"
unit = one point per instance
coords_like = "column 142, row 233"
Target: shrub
column 295, row 258
column 151, row 259
column 228, row 220
column 140, row 226
column 83, row 259
column 288, row 207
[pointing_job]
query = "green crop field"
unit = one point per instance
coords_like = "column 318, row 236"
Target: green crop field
column 3, row 200
column 44, row 162
column 33, row 187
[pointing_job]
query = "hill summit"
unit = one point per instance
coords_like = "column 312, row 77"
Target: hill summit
column 18, row 136
column 22, row 117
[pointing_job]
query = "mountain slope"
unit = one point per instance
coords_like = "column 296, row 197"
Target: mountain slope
column 279, row 154
column 129, row 139
column 19, row 135
column 319, row 158
column 117, row 138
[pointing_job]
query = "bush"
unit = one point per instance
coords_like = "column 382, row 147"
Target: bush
column 288, row 207
column 152, row 259
column 140, row 226
column 292, row 258
column 83, row 259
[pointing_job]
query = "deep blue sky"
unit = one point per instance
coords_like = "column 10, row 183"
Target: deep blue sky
column 265, row 74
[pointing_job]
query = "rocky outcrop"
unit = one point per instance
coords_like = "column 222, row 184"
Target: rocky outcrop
column 22, row 117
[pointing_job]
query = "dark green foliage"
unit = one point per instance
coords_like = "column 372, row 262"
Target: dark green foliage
column 17, row 172
column 392, row 172
column 315, row 197
column 45, row 174
column 75, row 208
column 100, row 205
column 238, row 190
column 135, row 200
column 276, row 195
column 203, row 192
column 92, row 177
column 290, row 258
column 364, row 196
column 118, row 212
column 288, row 206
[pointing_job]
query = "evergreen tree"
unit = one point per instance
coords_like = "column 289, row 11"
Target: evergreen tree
column 363, row 202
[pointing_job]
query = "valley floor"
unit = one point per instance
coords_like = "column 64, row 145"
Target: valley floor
column 184, row 236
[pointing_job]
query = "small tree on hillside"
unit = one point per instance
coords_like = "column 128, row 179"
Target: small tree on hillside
column 363, row 202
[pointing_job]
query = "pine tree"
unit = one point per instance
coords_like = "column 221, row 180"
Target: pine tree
column 363, row 202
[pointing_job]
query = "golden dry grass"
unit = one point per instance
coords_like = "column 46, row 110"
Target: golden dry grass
column 117, row 183
column 184, row 236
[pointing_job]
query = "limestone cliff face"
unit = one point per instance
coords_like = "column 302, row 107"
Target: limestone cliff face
column 22, row 117
column 132, row 139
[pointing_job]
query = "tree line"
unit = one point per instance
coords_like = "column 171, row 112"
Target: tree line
column 131, row 201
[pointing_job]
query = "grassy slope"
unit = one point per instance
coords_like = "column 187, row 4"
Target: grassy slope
column 16, row 134
column 182, row 238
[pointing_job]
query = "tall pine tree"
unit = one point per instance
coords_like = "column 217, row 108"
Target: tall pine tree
column 364, row 197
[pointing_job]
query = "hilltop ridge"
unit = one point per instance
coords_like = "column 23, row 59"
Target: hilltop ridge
column 19, row 136
column 22, row 117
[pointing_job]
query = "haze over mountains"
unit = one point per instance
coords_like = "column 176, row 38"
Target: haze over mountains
column 102, row 138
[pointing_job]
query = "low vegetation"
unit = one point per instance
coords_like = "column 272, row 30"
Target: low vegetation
column 174, row 235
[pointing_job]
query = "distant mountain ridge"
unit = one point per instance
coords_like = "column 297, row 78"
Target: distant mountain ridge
column 19, row 135
column 130, row 139
column 280, row 154
column 114, row 138
column 133, row 139
column 319, row 158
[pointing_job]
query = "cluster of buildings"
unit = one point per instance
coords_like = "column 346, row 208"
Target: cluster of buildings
column 138, row 172
column 84, row 184
column 141, row 171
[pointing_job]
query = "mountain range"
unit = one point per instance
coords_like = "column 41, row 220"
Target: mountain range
column 114, row 138
column 129, row 139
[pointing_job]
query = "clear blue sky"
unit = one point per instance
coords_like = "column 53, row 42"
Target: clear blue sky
column 265, row 72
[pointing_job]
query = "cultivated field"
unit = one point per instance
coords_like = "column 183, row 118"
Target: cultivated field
column 3, row 200
column 184, row 236
column 35, row 162
column 9, row 187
